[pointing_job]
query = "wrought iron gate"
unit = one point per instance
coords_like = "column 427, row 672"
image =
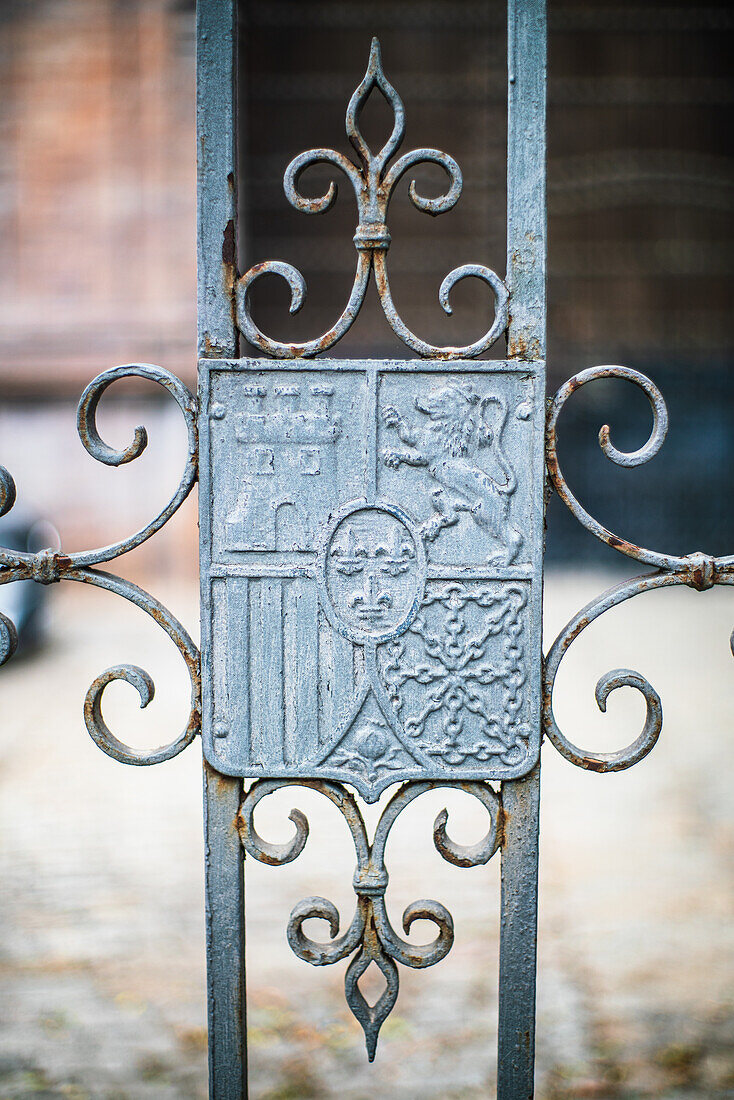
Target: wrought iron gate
column 371, row 561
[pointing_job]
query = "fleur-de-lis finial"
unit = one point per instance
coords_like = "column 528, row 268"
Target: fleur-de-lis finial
column 373, row 184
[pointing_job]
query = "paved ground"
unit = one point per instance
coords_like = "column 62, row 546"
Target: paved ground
column 101, row 961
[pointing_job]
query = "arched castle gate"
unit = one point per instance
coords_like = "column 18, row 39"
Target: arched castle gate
column 371, row 561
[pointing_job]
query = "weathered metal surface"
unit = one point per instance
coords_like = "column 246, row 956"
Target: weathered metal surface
column 371, row 566
column 373, row 183
column 224, row 899
column 372, row 543
column 49, row 566
column 697, row 570
column 224, row 882
column 370, row 937
column 518, row 938
column 216, row 162
column 526, row 278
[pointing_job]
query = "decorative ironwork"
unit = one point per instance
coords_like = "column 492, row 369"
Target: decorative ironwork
column 373, row 185
column 49, row 566
column 371, row 552
column 370, row 938
column 698, row 570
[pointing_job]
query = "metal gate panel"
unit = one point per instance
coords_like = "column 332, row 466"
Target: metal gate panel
column 371, row 563
column 371, row 547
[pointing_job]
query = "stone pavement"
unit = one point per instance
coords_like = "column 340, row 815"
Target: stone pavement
column 101, row 955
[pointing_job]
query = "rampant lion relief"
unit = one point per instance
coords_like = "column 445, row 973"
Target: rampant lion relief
column 459, row 424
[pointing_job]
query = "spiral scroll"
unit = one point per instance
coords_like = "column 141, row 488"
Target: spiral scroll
column 370, row 934
column 373, row 186
column 698, row 570
column 49, row 566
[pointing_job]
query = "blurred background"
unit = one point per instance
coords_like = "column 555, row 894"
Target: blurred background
column 101, row 908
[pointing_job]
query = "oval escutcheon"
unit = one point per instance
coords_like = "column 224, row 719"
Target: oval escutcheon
column 372, row 569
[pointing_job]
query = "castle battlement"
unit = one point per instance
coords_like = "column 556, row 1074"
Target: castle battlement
column 281, row 417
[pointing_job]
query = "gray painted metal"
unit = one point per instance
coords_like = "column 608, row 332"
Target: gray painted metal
column 372, row 541
column 526, row 280
column 398, row 532
column 370, row 937
column 373, row 183
column 216, row 120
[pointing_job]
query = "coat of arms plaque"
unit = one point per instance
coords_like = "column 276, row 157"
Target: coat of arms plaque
column 371, row 569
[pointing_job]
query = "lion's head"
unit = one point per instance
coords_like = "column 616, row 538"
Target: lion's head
column 455, row 412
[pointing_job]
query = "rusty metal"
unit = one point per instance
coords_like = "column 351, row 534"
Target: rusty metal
column 697, row 570
column 380, row 590
column 373, row 183
column 370, row 934
column 50, row 566
column 506, row 581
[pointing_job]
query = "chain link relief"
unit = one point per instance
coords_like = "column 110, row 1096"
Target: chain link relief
column 49, row 566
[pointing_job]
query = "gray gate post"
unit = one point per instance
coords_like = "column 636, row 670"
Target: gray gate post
column 526, row 280
column 216, row 118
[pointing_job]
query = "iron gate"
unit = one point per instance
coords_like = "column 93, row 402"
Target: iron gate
column 371, row 545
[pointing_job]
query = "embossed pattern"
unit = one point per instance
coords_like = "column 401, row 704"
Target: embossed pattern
column 373, row 553
column 459, row 664
column 373, row 183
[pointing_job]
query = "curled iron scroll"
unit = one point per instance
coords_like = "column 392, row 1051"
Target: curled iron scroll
column 370, row 933
column 49, row 566
column 697, row 570
column 373, row 184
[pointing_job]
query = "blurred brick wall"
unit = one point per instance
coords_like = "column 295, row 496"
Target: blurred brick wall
column 97, row 214
column 97, row 222
column 97, row 179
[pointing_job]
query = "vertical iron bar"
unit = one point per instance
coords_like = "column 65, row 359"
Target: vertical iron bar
column 526, row 275
column 518, row 938
column 225, row 937
column 216, row 119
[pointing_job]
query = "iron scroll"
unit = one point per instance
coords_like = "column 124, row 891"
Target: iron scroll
column 49, row 566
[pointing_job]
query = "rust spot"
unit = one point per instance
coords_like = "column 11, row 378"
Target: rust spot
column 593, row 765
column 213, row 350
column 519, row 347
column 502, row 820
column 228, row 243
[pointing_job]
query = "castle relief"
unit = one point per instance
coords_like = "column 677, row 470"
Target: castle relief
column 286, row 455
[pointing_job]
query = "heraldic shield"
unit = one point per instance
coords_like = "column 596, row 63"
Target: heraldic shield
column 371, row 569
